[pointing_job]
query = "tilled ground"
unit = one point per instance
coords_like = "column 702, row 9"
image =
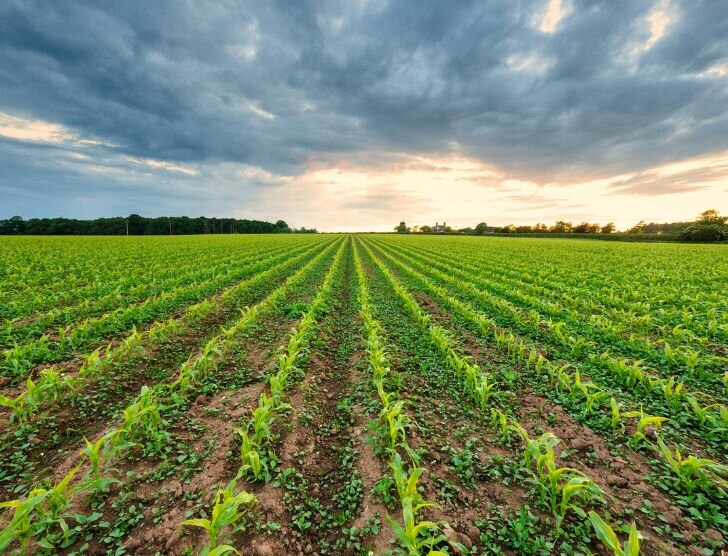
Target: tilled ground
column 331, row 491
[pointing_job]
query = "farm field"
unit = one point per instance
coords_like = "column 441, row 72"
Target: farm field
column 357, row 394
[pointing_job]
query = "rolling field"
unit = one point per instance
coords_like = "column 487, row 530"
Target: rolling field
column 356, row 394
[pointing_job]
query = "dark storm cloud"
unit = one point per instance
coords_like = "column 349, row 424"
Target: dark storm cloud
column 55, row 183
column 278, row 84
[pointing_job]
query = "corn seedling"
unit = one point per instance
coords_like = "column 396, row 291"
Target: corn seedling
column 499, row 420
column 702, row 413
column 227, row 511
column 143, row 421
column 673, row 392
column 416, row 537
column 104, row 449
column 249, row 457
column 645, row 421
column 43, row 515
column 692, row 472
column 609, row 538
column 396, row 422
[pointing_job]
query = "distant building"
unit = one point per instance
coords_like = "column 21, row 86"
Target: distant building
column 438, row 228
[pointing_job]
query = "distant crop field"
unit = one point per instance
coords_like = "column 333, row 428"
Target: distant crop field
column 362, row 394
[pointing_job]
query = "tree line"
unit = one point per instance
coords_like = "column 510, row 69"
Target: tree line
column 137, row 225
column 709, row 226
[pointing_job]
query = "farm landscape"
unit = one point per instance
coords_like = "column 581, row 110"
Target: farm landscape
column 365, row 278
column 362, row 394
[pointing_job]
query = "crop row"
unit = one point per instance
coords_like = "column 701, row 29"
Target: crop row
column 53, row 385
column 687, row 355
column 42, row 514
column 23, row 357
column 596, row 279
column 702, row 411
column 564, row 490
column 689, row 473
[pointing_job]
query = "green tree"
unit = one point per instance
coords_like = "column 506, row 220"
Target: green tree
column 402, row 228
column 609, row 228
column 13, row 226
column 637, row 228
column 711, row 216
column 710, row 226
column 137, row 224
column 561, row 227
column 282, row 228
column 481, row 228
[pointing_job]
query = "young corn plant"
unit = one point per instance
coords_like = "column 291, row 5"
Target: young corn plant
column 263, row 417
column 534, row 448
column 249, row 456
column 227, row 511
column 692, row 472
column 49, row 386
column 670, row 354
column 579, row 346
column 52, row 385
column 673, row 393
column 574, row 491
column 562, row 489
column 18, row 406
column 616, row 415
column 593, row 396
column 43, row 515
column 609, row 538
column 94, row 364
column 701, row 413
column 640, row 434
column 396, row 421
column 483, row 390
column 103, row 450
column 254, row 461
column 142, row 421
column 500, row 423
column 415, row 537
column 691, row 359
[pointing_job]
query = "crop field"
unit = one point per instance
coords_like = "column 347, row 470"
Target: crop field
column 362, row 394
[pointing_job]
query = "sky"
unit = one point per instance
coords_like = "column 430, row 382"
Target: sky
column 356, row 114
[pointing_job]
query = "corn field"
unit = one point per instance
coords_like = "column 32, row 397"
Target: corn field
column 362, row 394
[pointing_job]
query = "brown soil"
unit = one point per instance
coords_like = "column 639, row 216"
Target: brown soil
column 217, row 415
column 58, row 452
column 623, row 478
column 310, row 443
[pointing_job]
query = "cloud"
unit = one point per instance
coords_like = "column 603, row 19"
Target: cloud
column 383, row 199
column 661, row 182
column 142, row 98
